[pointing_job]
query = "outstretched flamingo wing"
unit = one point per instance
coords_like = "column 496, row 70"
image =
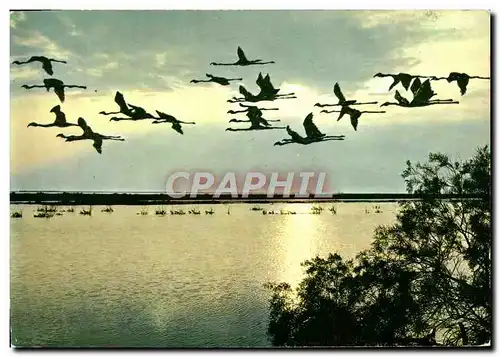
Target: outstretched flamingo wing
column 462, row 82
column 311, row 129
column 97, row 144
column 166, row 116
column 406, row 80
column 338, row 92
column 415, row 85
column 294, row 135
column 59, row 90
column 401, row 100
column 177, row 127
column 241, row 55
column 355, row 114
column 424, row 93
column 47, row 67
column 120, row 100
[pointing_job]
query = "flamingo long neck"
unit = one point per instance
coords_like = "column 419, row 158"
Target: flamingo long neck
column 443, row 101
column 73, row 86
column 35, row 86
column 260, row 62
column 44, row 125
column 120, row 119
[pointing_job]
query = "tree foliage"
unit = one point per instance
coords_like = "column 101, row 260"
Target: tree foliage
column 425, row 280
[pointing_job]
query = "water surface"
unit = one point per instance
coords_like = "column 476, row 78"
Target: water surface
column 125, row 279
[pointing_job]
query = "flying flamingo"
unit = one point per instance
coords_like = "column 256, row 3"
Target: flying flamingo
column 46, row 63
column 354, row 114
column 342, row 101
column 403, row 78
column 89, row 134
column 220, row 80
column 57, row 84
column 167, row 118
column 313, row 135
column 248, row 109
column 59, row 122
column 242, row 61
column 422, row 94
column 462, row 80
column 254, row 115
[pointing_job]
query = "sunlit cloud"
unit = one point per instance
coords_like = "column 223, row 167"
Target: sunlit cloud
column 37, row 41
column 153, row 64
column 24, row 73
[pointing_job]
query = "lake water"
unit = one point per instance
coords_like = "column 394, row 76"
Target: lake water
column 124, row 279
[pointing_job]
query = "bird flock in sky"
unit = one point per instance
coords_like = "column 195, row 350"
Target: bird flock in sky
column 419, row 86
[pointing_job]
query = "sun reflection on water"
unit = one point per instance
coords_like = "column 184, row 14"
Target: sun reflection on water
column 298, row 235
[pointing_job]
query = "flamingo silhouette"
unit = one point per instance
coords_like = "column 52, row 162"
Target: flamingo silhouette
column 256, row 120
column 167, row 118
column 354, row 114
column 267, row 92
column 57, row 84
column 59, row 122
column 46, row 63
column 422, row 94
column 254, row 115
column 404, row 78
column 89, row 134
column 132, row 111
column 313, row 135
column 462, row 80
column 219, row 80
column 242, row 61
column 248, row 109
column 342, row 101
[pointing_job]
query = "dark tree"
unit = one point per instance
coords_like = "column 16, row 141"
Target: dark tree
column 426, row 280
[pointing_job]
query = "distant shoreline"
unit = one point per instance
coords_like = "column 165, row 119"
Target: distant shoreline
column 130, row 199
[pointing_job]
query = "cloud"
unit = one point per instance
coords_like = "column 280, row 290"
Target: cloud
column 460, row 21
column 102, row 69
column 201, row 104
column 24, row 72
column 69, row 25
column 170, row 49
column 38, row 41
column 16, row 17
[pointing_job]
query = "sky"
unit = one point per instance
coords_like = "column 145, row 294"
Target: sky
column 151, row 56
